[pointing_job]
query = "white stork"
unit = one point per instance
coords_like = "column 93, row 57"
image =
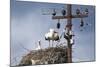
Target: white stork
column 52, row 35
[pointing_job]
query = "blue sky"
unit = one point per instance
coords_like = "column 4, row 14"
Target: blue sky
column 28, row 25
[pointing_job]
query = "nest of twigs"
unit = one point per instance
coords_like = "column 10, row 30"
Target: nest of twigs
column 52, row 55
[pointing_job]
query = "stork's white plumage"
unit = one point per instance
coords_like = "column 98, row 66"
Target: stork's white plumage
column 72, row 41
column 51, row 30
column 48, row 36
column 51, row 35
column 71, row 32
column 56, row 36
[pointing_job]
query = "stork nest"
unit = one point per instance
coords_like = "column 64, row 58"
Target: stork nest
column 52, row 55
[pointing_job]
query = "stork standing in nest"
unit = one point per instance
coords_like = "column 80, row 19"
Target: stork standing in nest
column 52, row 35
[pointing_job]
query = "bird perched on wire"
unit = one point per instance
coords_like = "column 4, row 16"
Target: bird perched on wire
column 63, row 12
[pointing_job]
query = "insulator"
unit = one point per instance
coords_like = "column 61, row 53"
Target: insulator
column 58, row 25
column 81, row 23
column 63, row 12
column 77, row 11
column 54, row 12
column 86, row 11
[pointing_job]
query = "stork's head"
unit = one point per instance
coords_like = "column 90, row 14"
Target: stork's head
column 52, row 30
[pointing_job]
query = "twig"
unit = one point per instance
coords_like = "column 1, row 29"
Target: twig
column 25, row 48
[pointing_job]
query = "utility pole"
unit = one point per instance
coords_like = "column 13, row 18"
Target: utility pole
column 68, row 26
